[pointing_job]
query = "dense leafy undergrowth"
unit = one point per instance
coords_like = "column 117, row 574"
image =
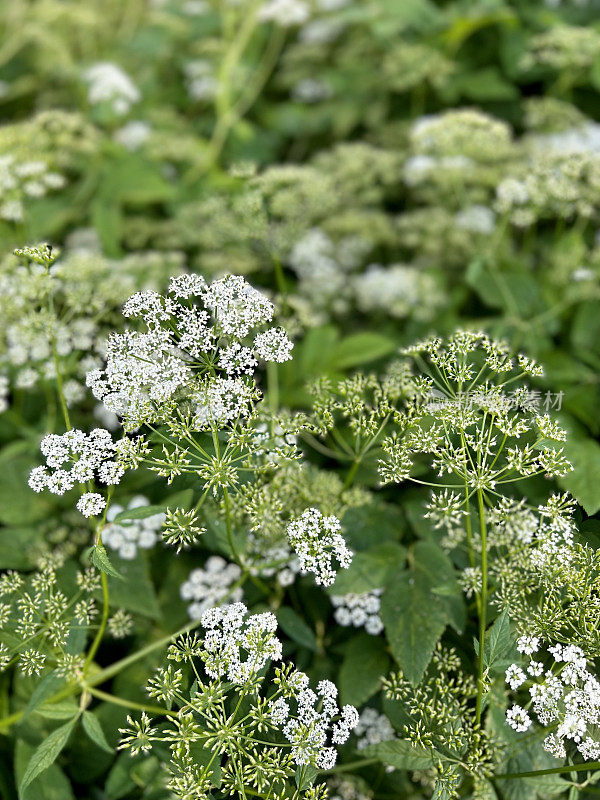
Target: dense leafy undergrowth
column 299, row 348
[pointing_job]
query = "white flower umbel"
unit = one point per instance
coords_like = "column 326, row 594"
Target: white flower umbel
column 108, row 83
column 197, row 350
column 237, row 647
column 564, row 697
column 359, row 610
column 316, row 541
column 126, row 536
column 210, row 586
column 284, row 12
column 74, row 458
column 279, row 732
column 373, row 728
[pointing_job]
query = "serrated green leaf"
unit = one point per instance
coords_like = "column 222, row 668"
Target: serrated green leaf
column 497, row 641
column 52, row 784
column 42, row 692
column 365, row 662
column 370, row 569
column 47, row 753
column 305, row 776
column 141, row 512
column 401, row 754
column 413, row 615
column 94, row 730
column 101, row 561
column 583, row 481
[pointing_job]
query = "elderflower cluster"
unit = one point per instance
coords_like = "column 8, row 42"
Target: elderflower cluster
column 75, row 458
column 211, row 585
column 197, row 352
column 55, row 310
column 359, row 610
column 127, row 535
column 317, row 540
column 564, row 697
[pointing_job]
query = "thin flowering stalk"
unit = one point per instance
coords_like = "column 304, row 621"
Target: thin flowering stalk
column 55, row 359
column 105, row 591
column 120, row 701
column 586, row 766
column 482, row 603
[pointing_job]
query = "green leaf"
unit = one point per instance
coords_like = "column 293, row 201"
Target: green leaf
column 94, row 730
column 134, row 591
column 497, row 641
column 371, row 525
column 365, row 662
column 305, row 776
column 295, row 627
column 101, row 561
column 47, row 753
column 583, row 482
column 52, row 784
column 370, row 569
column 119, row 781
column 413, row 615
column 44, row 690
column 402, row 754
column 64, row 709
column 141, row 512
column 360, row 349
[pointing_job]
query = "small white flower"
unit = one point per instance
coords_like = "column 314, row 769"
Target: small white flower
column 91, row 504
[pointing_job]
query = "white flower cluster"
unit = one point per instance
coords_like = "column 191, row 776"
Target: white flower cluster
column 108, row 83
column 565, row 697
column 22, row 179
column 317, row 717
column 373, row 728
column 183, row 348
column 74, row 458
column 398, row 289
column 236, row 646
column 211, row 585
column 284, row 12
column 133, row 135
column 125, row 537
column 200, row 79
column 91, row 504
column 359, row 610
column 316, row 540
column 323, row 268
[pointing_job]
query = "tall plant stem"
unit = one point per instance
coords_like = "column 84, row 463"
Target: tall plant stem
column 482, row 605
column 232, row 546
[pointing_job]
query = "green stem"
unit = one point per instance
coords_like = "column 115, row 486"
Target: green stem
column 591, row 766
column 119, row 701
column 351, row 474
column 105, row 594
column 232, row 547
column 363, row 762
column 483, row 605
